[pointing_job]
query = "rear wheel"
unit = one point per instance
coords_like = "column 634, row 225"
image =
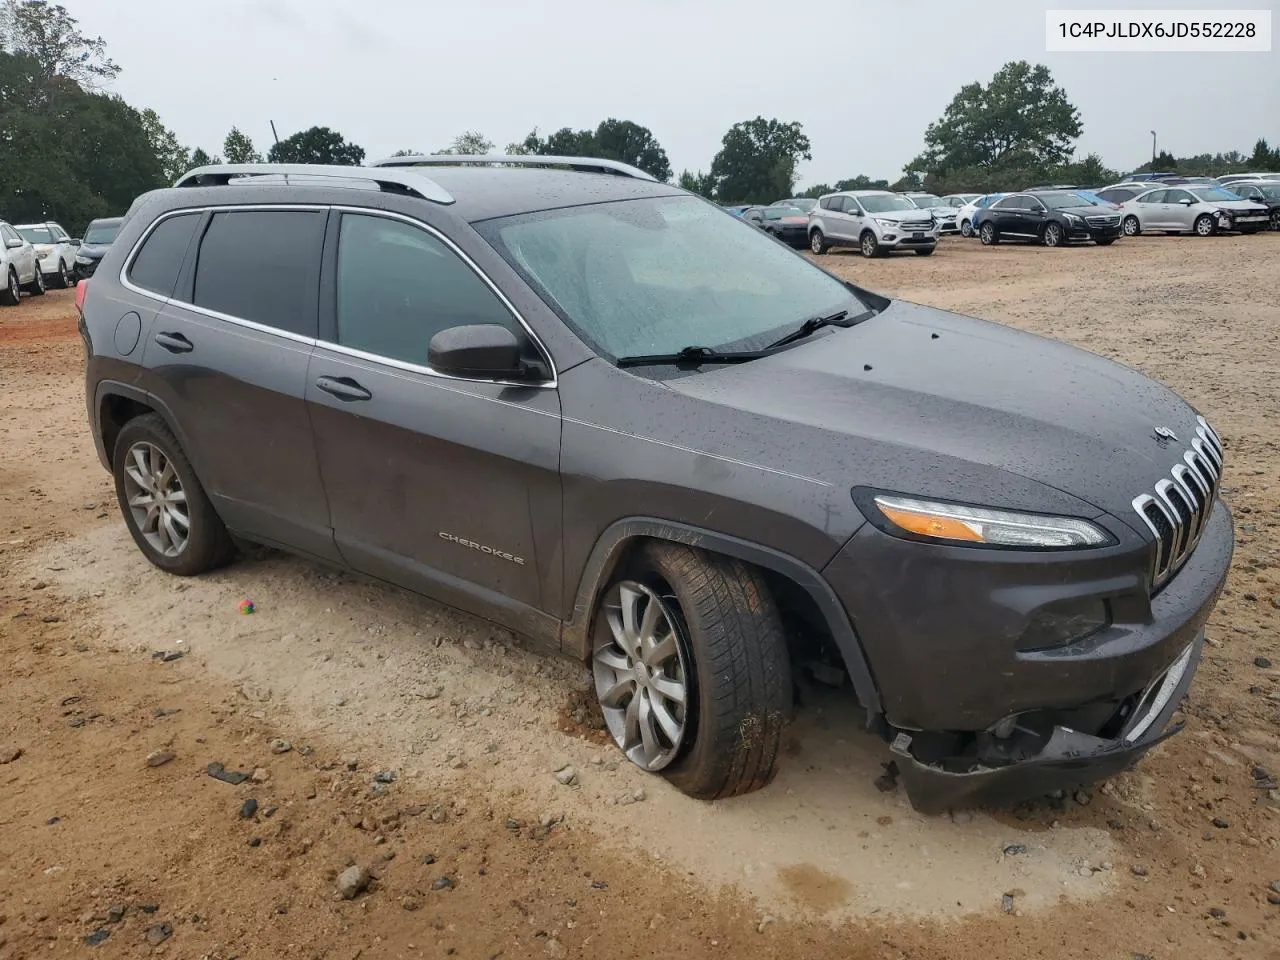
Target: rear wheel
column 691, row 670
column 1131, row 226
column 817, row 242
column 164, row 506
column 987, row 233
column 12, row 291
column 1052, row 235
column 869, row 245
column 1275, row 219
column 64, row 275
column 1204, row 225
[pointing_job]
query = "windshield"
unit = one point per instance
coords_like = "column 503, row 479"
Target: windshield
column 1059, row 201
column 923, row 200
column 803, row 204
column 1213, row 193
column 101, row 233
column 652, row 276
column 885, row 202
column 36, row 234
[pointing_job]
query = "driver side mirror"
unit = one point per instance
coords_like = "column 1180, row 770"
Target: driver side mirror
column 75, row 241
column 1186, row 201
column 13, row 244
column 483, row 350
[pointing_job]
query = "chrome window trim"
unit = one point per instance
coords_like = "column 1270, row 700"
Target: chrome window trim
column 541, row 347
column 125, row 282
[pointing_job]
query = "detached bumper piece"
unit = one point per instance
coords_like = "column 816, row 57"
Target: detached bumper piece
column 1067, row 759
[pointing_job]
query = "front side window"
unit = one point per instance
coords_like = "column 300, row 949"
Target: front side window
column 398, row 286
column 1177, row 196
column 155, row 266
column 263, row 266
column 1010, row 203
column 36, row 234
column 655, row 275
column 9, row 233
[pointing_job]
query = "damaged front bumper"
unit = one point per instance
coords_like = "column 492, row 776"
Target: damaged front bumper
column 1067, row 759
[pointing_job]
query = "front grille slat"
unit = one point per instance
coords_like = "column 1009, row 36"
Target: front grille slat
column 1177, row 510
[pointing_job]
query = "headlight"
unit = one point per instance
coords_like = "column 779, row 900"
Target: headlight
column 43, row 251
column 890, row 224
column 83, row 261
column 956, row 523
column 1072, row 218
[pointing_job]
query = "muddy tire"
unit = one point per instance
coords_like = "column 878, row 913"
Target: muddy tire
column 695, row 641
column 164, row 505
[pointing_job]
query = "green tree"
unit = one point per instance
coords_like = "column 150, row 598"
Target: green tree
column 201, row 159
column 757, row 161
column 1264, row 159
column 612, row 139
column 50, row 35
column 862, row 182
column 238, row 148
column 174, row 157
column 67, row 154
column 317, row 145
column 815, row 191
column 699, row 183
column 471, row 143
column 1021, row 122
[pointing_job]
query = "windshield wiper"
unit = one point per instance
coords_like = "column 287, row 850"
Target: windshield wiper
column 692, row 357
column 838, row 319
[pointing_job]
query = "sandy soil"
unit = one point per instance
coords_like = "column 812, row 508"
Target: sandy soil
column 362, row 680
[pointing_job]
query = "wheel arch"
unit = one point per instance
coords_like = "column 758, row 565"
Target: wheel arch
column 116, row 403
column 621, row 539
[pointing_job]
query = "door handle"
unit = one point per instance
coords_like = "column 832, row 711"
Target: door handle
column 344, row 388
column 174, row 342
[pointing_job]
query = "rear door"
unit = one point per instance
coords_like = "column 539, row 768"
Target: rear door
column 446, row 485
column 1149, row 208
column 227, row 355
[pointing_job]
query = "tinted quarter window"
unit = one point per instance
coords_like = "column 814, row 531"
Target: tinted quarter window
column 830, row 203
column 264, row 266
column 1008, row 203
column 398, row 286
column 155, row 267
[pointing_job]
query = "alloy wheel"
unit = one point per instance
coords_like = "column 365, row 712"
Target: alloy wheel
column 64, row 278
column 156, row 499
column 1131, row 226
column 966, row 229
column 1052, row 235
column 815, row 241
column 1275, row 219
column 988, row 234
column 15, row 289
column 642, row 674
column 40, row 284
column 868, row 245
column 1204, row 225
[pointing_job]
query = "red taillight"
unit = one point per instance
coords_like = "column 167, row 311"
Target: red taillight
column 80, row 289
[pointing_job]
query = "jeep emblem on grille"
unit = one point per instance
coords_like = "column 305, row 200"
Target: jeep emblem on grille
column 1164, row 435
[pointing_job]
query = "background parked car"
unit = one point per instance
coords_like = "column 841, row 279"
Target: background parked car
column 1123, row 191
column 1050, row 218
column 804, row 204
column 1232, row 177
column 19, row 267
column 789, row 224
column 753, row 214
column 1266, row 192
column 958, row 200
column 1204, row 210
column 966, row 214
column 874, row 221
column 98, row 237
column 938, row 208
column 54, row 247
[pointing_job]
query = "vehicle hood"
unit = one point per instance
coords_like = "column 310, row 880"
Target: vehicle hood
column 943, row 212
column 93, row 251
column 1251, row 206
column 899, row 215
column 920, row 386
column 1089, row 210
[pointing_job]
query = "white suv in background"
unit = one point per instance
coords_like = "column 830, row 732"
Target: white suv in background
column 874, row 221
column 19, row 267
column 55, row 248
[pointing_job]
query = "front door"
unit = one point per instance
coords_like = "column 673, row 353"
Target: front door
column 447, row 486
column 227, row 356
column 1180, row 212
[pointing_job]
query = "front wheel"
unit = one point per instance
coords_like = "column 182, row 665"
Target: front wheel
column 12, row 291
column 966, row 228
column 987, row 233
column 1204, row 225
column 691, row 670
column 164, row 505
column 64, row 275
column 1131, row 226
column 817, row 243
column 1052, row 235
column 1275, row 219
column 37, row 287
column 869, row 245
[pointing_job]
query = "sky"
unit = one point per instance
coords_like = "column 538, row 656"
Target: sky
column 864, row 77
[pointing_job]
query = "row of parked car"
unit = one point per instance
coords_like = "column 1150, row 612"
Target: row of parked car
column 878, row 221
column 36, row 256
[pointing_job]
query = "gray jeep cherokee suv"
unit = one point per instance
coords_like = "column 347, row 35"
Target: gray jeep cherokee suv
column 601, row 412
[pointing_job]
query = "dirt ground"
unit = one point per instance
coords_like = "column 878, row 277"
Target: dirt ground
column 390, row 733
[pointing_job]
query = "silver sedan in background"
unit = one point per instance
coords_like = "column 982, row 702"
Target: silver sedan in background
column 1194, row 208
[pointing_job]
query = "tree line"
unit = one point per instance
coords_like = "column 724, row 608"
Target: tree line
column 70, row 151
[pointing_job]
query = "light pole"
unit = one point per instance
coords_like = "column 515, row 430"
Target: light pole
column 1153, row 149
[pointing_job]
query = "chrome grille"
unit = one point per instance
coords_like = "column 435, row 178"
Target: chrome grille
column 917, row 224
column 1180, row 506
column 1103, row 221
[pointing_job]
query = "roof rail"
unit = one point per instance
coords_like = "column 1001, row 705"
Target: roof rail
column 394, row 180
column 584, row 164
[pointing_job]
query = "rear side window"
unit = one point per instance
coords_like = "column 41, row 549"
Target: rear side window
column 263, row 266
column 398, row 286
column 155, row 267
column 830, row 203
